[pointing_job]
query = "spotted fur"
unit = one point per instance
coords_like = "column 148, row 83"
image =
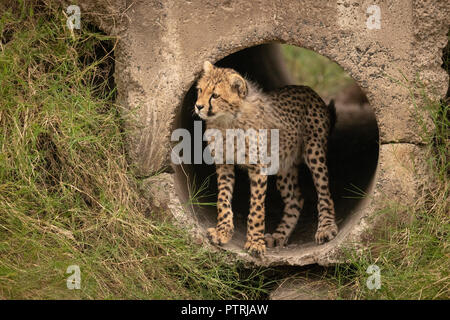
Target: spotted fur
column 226, row 100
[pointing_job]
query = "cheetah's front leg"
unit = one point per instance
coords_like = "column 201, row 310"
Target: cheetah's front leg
column 223, row 231
column 255, row 224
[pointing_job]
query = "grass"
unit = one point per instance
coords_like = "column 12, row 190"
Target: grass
column 66, row 195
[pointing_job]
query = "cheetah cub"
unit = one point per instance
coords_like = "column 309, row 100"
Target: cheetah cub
column 226, row 100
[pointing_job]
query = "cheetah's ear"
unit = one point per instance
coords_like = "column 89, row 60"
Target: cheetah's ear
column 207, row 66
column 239, row 85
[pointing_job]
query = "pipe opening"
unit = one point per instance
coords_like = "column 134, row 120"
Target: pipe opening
column 352, row 153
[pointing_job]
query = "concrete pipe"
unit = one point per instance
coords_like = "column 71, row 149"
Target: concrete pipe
column 380, row 151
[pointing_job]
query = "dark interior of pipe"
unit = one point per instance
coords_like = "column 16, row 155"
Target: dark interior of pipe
column 352, row 158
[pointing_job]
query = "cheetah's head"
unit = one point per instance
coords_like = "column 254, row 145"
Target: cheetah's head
column 220, row 93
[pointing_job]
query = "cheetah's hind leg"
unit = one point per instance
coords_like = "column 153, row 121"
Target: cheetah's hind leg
column 316, row 161
column 287, row 184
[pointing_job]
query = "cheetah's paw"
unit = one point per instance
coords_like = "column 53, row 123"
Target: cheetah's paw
column 326, row 233
column 275, row 240
column 219, row 236
column 256, row 248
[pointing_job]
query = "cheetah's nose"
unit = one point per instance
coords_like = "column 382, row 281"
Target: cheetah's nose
column 199, row 107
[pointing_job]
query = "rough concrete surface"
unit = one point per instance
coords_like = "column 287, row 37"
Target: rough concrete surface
column 163, row 45
column 307, row 288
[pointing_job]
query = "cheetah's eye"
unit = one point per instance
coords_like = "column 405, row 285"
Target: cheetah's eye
column 215, row 95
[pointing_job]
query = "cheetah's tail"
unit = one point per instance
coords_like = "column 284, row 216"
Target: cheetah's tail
column 333, row 117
